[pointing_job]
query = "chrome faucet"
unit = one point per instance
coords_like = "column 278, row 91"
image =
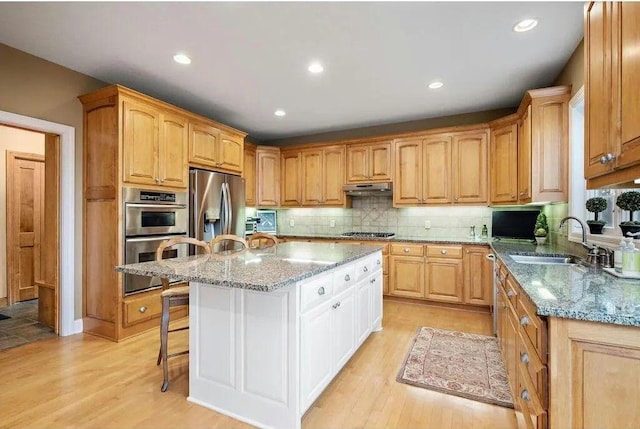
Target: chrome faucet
column 597, row 255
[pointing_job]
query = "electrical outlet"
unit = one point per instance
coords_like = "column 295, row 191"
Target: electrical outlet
column 427, row 224
column 332, row 223
column 292, row 223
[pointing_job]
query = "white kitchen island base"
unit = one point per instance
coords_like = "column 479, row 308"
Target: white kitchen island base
column 264, row 357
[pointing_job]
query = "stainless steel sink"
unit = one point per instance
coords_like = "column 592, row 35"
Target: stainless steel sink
column 546, row 260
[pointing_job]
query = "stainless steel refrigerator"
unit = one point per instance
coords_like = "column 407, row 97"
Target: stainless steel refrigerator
column 216, row 205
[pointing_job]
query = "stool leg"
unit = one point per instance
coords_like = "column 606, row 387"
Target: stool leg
column 164, row 337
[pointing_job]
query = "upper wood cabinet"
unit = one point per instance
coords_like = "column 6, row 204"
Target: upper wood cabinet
column 249, row 174
column 268, row 176
column 322, row 176
column 543, row 145
column 154, row 146
column 369, row 162
column 290, row 178
column 441, row 169
column 612, row 107
column 214, row 149
column 503, row 172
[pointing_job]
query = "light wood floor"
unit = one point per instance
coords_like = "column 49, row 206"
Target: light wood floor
column 88, row 382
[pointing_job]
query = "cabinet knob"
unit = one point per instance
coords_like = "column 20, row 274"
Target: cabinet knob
column 525, row 395
column 378, row 261
column 142, row 309
column 522, row 193
column 524, row 321
column 405, row 250
column 443, row 251
column 513, row 196
column 511, row 293
column 365, row 269
column 321, row 290
column 347, row 278
column 336, row 305
column 524, row 358
column 605, row 159
column 373, row 280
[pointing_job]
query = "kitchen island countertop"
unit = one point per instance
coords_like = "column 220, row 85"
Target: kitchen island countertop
column 264, row 270
column 394, row 239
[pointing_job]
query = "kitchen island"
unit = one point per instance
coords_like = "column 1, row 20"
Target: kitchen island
column 270, row 328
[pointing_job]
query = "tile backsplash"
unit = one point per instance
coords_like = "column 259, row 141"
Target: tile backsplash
column 376, row 214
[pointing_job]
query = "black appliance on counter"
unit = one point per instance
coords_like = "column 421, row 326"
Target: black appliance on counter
column 514, row 224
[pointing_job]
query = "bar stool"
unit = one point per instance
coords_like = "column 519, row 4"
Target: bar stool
column 222, row 239
column 255, row 240
column 172, row 297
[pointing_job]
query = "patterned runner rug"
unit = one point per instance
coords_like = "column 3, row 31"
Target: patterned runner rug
column 456, row 363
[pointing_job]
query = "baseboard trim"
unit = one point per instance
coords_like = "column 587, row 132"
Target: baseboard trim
column 4, row 302
column 450, row 306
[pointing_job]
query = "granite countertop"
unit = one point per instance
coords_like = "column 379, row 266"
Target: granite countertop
column 259, row 269
column 395, row 239
column 573, row 291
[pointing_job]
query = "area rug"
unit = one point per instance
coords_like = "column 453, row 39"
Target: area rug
column 459, row 364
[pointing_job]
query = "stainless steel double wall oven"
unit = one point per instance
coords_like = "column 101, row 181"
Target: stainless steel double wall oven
column 150, row 217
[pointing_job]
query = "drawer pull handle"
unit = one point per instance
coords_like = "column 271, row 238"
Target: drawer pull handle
column 406, row 250
column 321, row 290
column 142, row 309
column 525, row 395
column 379, row 262
column 365, row 269
column 336, row 305
column 524, row 358
column 511, row 293
column 524, row 321
column 347, row 278
column 443, row 251
column 373, row 280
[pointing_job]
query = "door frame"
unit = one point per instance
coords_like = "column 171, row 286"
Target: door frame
column 67, row 251
column 11, row 239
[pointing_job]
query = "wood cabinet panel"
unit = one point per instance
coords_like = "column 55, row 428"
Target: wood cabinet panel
column 380, row 162
column 140, row 142
column 333, row 175
column 524, row 156
column 478, row 276
column 444, row 251
column 470, row 168
column 312, row 167
column 231, row 153
column 203, row 144
column 408, row 173
column 357, row 163
column 444, row 280
column 407, row 276
column 503, row 153
column 436, row 170
column 268, row 177
column 291, row 179
column 173, row 164
column 370, row 162
column 249, row 174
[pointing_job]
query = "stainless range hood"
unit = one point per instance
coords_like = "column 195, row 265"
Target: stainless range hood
column 369, row 189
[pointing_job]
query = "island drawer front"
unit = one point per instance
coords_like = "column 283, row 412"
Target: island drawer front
column 377, row 262
column 316, row 291
column 343, row 277
column 368, row 265
column 142, row 308
column 444, row 251
column 532, row 328
column 407, row 249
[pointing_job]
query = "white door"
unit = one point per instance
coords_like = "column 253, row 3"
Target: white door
column 343, row 326
column 363, row 310
column 376, row 301
column 316, row 358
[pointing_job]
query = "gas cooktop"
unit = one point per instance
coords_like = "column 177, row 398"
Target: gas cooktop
column 369, row 234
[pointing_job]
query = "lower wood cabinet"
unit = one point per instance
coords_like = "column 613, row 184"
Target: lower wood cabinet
column 443, row 280
column 407, row 276
column 478, row 275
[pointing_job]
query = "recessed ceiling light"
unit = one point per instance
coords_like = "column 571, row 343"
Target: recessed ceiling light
column 435, row 85
column 280, row 112
column 525, row 25
column 315, row 68
column 181, row 59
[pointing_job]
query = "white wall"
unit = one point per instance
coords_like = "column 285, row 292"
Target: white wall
column 13, row 140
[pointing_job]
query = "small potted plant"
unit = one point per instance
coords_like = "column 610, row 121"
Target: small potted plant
column 629, row 201
column 596, row 205
column 541, row 230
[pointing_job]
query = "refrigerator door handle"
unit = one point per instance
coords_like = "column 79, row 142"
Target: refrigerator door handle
column 229, row 209
column 225, row 209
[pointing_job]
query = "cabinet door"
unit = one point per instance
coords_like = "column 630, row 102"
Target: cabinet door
column 626, row 80
column 597, row 93
column 315, row 352
column 478, row 276
column 444, row 280
column 363, row 310
column 503, row 153
column 172, row 162
column 231, row 153
column 376, row 300
column 312, row 178
column 291, row 179
column 249, row 174
column 380, row 162
column 524, row 157
column 470, row 168
column 511, row 348
column 268, row 173
column 204, row 143
column 500, row 310
column 408, row 173
column 436, row 170
column 333, row 176
column 407, row 277
column 344, row 327
column 140, row 141
column 357, row 164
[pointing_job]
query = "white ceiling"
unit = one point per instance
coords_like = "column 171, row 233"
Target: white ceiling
column 250, row 59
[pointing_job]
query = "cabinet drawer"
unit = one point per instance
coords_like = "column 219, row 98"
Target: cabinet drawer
column 142, row 308
column 377, row 261
column 315, row 291
column 532, row 410
column 512, row 290
column 343, row 277
column 444, row 251
column 407, row 249
column 533, row 369
column 533, row 328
